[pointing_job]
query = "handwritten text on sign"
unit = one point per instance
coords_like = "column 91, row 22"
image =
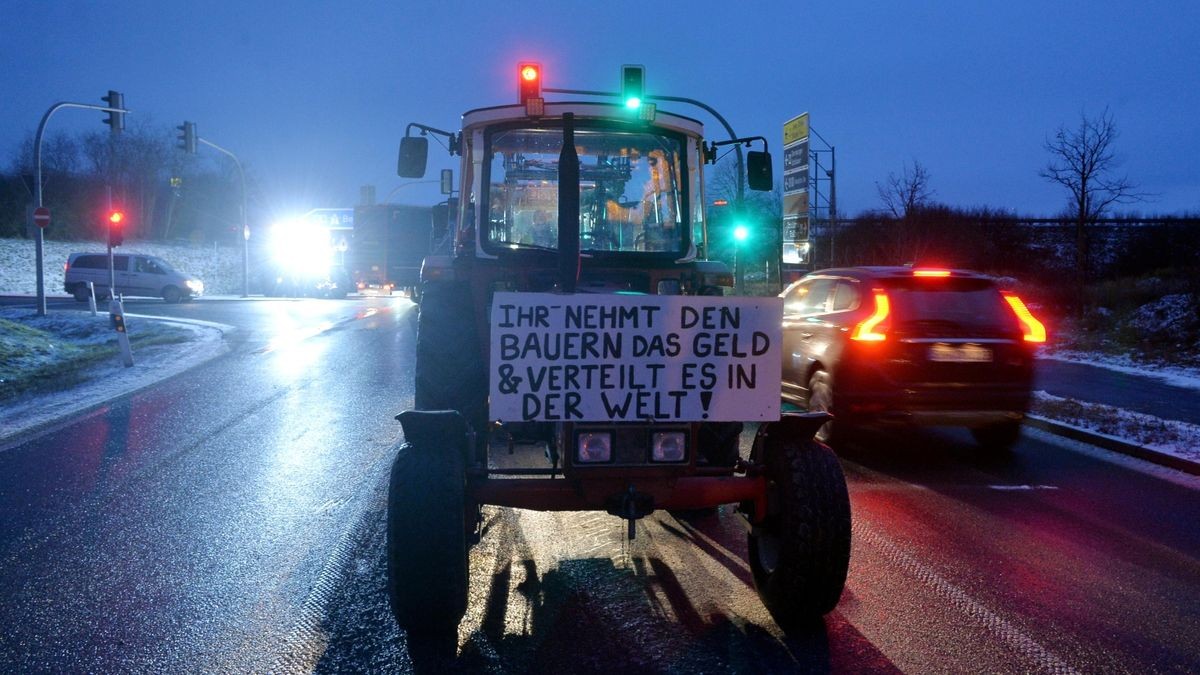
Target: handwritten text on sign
column 629, row 358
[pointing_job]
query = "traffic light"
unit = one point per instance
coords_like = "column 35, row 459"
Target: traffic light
column 187, row 137
column 116, row 228
column 115, row 118
column 529, row 87
column 633, row 85
column 741, row 232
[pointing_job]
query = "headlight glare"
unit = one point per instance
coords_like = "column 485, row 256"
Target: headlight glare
column 668, row 446
column 592, row 446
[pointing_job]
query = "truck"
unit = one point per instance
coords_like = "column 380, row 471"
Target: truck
column 575, row 351
column 388, row 245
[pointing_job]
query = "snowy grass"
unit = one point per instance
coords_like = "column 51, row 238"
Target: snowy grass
column 57, row 351
column 1167, row 436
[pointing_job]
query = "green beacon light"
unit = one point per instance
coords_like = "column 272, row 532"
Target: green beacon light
column 633, row 84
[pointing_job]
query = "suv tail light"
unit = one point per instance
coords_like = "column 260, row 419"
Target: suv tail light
column 870, row 329
column 1033, row 329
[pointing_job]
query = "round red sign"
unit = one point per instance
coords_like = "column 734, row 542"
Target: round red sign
column 41, row 216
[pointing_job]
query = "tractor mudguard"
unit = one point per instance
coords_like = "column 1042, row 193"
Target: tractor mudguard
column 793, row 424
column 429, row 429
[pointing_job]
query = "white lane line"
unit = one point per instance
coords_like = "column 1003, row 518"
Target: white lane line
column 1023, row 487
column 960, row 600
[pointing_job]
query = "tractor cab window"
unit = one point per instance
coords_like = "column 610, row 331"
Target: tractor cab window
column 631, row 183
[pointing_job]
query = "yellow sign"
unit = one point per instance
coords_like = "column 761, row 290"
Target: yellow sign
column 795, row 129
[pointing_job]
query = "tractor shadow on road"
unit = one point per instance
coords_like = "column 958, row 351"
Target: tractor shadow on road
column 679, row 601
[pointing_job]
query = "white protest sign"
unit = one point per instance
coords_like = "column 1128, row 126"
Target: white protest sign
column 628, row 358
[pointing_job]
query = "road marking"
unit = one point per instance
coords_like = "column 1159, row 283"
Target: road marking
column 959, row 599
column 1023, row 487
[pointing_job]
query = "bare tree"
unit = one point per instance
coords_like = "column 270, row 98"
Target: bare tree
column 904, row 194
column 1082, row 161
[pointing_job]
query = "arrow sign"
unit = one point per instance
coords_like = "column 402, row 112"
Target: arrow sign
column 41, row 216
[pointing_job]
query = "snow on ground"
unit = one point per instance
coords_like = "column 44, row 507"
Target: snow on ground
column 1170, row 437
column 108, row 378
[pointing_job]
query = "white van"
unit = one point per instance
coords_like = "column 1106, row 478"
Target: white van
column 135, row 275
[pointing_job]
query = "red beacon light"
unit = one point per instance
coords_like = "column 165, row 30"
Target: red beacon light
column 529, row 88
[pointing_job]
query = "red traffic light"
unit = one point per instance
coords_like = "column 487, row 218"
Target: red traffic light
column 116, row 227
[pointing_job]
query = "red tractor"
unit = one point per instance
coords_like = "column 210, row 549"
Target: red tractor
column 574, row 313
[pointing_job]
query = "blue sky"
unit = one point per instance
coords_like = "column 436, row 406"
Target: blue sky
column 314, row 96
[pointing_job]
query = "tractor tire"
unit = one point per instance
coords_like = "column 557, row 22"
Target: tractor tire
column 450, row 373
column 427, row 568
column 800, row 554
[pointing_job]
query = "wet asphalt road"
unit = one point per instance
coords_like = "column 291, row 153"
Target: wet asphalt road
column 231, row 519
column 181, row 528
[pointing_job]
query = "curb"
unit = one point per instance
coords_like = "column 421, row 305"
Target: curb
column 1114, row 444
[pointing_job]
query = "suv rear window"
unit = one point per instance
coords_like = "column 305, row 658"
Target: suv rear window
column 971, row 303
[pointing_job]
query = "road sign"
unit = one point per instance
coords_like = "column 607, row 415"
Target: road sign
column 41, row 216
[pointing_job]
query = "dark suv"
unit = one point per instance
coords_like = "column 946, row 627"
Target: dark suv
column 904, row 345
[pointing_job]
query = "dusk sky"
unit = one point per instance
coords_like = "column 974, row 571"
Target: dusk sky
column 314, row 97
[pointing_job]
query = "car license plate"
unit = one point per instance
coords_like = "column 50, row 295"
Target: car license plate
column 963, row 353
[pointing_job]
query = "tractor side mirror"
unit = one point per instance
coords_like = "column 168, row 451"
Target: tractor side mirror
column 414, row 151
column 758, row 171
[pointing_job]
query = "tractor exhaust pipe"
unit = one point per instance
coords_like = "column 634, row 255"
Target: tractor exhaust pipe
column 568, row 208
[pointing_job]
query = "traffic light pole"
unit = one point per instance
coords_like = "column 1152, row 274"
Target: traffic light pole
column 37, row 192
column 245, row 225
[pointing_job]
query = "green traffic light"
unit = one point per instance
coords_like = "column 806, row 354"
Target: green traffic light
column 633, row 103
column 741, row 233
